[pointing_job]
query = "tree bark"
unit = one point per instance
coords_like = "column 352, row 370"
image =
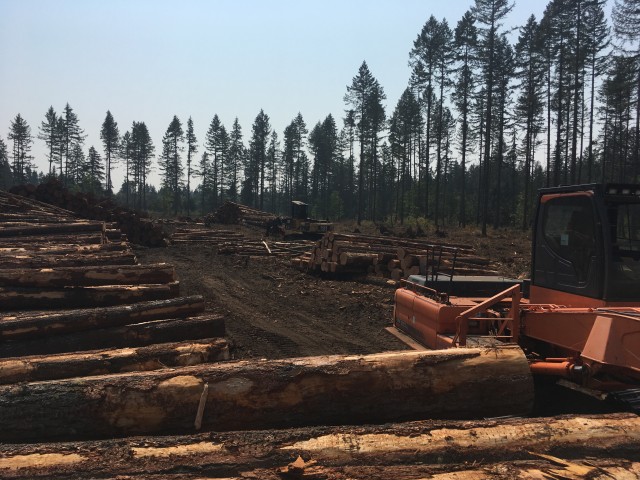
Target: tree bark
column 50, row 240
column 135, row 335
column 88, row 276
column 84, row 297
column 460, row 383
column 38, row 324
column 401, row 450
column 101, row 362
column 55, row 228
column 70, row 260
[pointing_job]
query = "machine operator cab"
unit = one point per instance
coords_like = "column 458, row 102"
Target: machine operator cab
column 586, row 246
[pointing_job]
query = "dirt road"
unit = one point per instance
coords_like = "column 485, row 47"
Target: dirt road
column 275, row 311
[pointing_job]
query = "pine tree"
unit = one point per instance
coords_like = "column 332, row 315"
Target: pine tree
column 597, row 33
column 142, row 152
column 110, row 137
column 20, row 134
column 72, row 135
column 490, row 14
column 466, row 40
column 255, row 171
column 170, row 161
column 235, row 160
column 365, row 95
column 273, row 156
column 5, row 169
column 192, row 149
column 626, row 25
column 93, row 172
column 126, row 150
column 204, row 172
column 423, row 59
column 529, row 106
column 49, row 132
column 443, row 60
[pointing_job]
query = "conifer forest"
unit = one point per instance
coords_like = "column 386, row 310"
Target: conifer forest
column 490, row 114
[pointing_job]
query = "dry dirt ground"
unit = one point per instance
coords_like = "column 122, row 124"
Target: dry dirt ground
column 273, row 310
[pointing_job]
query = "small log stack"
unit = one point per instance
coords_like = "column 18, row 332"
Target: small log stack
column 232, row 242
column 391, row 257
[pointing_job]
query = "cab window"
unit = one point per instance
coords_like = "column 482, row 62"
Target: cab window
column 569, row 231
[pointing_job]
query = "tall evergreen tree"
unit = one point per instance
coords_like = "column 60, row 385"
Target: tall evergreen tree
column 489, row 14
column 5, row 169
column 626, row 25
column 255, row 171
column 171, row 162
column 404, row 137
column 126, row 151
column 466, row 40
column 72, row 135
column 362, row 95
column 597, row 33
column 192, row 149
column 443, row 60
column 204, row 172
column 530, row 104
column 235, row 160
column 20, row 134
column 142, row 153
column 110, row 136
column 49, row 133
column 93, row 172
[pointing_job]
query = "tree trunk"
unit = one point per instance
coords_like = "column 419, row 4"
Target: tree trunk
column 38, row 324
column 422, row 449
column 20, row 298
column 56, row 228
column 55, row 261
column 88, row 276
column 101, row 362
column 135, row 335
column 273, row 394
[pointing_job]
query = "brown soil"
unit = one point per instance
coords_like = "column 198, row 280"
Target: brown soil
column 273, row 310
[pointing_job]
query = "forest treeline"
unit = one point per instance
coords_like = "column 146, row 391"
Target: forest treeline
column 482, row 123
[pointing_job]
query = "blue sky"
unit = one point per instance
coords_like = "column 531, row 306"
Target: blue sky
column 147, row 60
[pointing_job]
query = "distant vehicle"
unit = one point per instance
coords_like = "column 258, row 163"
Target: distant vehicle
column 299, row 225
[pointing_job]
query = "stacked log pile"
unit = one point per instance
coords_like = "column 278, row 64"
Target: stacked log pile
column 232, row 242
column 74, row 303
column 138, row 229
column 391, row 257
column 231, row 213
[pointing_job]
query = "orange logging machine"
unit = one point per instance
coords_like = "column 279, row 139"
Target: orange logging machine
column 577, row 318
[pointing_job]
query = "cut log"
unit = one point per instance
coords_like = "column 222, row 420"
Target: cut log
column 53, row 229
column 427, row 447
column 135, row 335
column 77, row 239
column 63, row 249
column 20, row 326
column 460, row 383
column 99, row 362
column 30, row 260
column 83, row 297
column 88, row 276
column 357, row 259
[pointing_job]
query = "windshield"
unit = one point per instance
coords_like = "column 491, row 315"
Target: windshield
column 624, row 272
